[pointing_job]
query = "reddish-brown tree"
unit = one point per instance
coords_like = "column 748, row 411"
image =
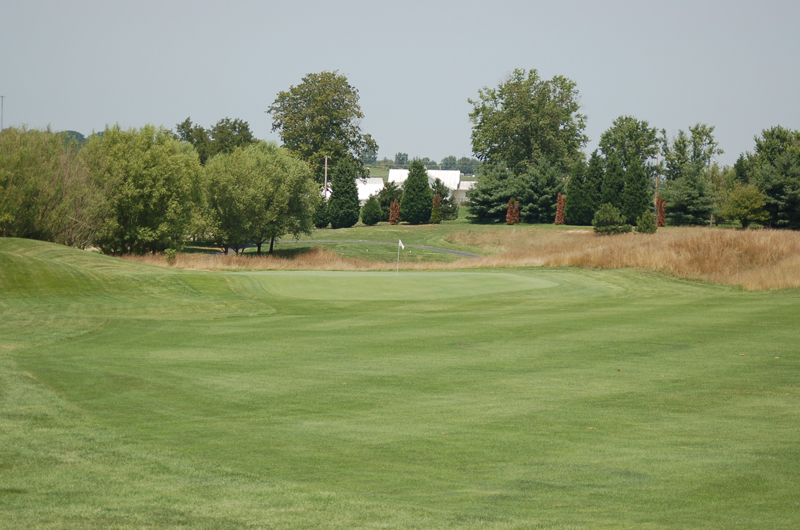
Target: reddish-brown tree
column 562, row 202
column 394, row 213
column 660, row 210
column 510, row 212
column 516, row 211
column 436, row 210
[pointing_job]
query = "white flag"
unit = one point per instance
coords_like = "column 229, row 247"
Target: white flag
column 401, row 244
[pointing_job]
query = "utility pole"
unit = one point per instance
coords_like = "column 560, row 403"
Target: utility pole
column 1, row 112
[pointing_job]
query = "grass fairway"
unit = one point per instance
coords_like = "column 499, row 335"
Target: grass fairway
column 143, row 397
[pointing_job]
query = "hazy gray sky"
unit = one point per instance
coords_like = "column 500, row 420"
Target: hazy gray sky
column 83, row 64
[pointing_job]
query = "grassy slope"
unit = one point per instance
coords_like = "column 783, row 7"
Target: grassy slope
column 133, row 396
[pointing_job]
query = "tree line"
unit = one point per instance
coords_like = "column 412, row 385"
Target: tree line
column 151, row 189
column 528, row 134
column 146, row 190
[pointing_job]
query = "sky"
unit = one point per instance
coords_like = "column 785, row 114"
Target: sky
column 82, row 65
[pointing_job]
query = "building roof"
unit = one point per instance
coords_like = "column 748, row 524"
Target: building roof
column 449, row 177
column 368, row 186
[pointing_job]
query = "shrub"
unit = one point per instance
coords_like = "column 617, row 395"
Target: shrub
column 746, row 204
column 646, row 224
column 169, row 256
column 371, row 212
column 608, row 221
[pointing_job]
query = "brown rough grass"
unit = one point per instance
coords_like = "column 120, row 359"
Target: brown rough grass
column 754, row 259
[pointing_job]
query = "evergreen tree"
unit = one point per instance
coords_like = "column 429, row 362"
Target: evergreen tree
column 371, row 212
column 394, row 213
column 541, row 184
column 593, row 186
column 488, row 200
column 608, row 221
column 690, row 200
column 417, row 201
column 343, row 208
column 321, row 214
column 576, row 209
column 646, row 224
column 636, row 197
column 448, row 203
column 613, row 182
column 388, row 194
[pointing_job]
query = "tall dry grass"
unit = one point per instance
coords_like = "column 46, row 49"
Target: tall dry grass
column 754, row 259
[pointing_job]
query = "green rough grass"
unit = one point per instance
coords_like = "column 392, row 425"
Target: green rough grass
column 143, row 397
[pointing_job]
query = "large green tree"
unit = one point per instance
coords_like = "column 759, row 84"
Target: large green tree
column 153, row 183
column 528, row 118
column 417, row 201
column 631, row 139
column 259, row 193
column 343, row 206
column 321, row 116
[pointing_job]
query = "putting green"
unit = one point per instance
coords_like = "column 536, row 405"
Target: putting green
column 312, row 285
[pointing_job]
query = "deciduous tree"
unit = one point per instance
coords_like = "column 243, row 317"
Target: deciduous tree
column 746, row 204
column 154, row 184
column 321, row 116
column 526, row 119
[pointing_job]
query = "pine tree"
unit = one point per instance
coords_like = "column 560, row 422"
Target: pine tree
column 646, row 223
column 343, row 208
column 576, row 196
column 690, row 198
column 636, row 197
column 417, row 201
column 593, row 186
column 436, row 210
column 613, row 182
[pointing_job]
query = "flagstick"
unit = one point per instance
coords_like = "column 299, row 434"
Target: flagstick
column 398, row 260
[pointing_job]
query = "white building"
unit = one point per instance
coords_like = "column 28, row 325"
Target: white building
column 368, row 186
column 449, row 177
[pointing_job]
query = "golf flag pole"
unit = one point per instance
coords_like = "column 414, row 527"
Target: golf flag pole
column 399, row 246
